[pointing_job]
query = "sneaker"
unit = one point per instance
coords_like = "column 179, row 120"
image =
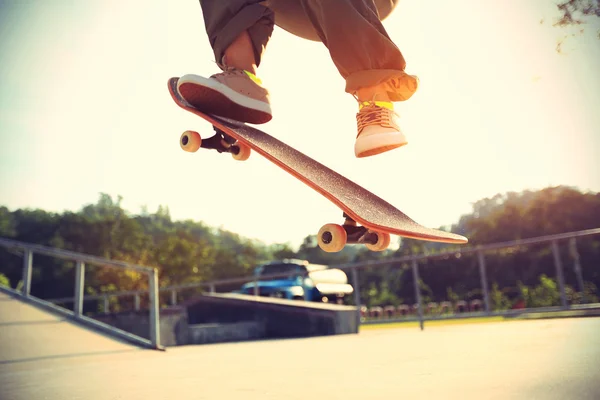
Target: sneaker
column 234, row 93
column 378, row 129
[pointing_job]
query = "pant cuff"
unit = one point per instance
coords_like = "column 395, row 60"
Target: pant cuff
column 373, row 77
column 242, row 21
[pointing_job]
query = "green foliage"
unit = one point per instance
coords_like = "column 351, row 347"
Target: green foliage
column 189, row 252
column 511, row 216
column 184, row 251
column 4, row 280
column 575, row 15
column 7, row 223
column 498, row 300
column 382, row 295
column 451, row 295
column 547, row 293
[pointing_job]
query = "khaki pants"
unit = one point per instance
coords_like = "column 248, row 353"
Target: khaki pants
column 358, row 44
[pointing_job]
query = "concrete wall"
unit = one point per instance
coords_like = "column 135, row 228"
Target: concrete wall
column 232, row 317
column 219, row 333
column 281, row 318
column 173, row 324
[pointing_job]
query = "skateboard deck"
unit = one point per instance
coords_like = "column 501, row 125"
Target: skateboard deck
column 359, row 205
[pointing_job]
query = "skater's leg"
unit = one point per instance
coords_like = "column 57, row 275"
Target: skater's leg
column 371, row 64
column 238, row 32
column 240, row 54
column 226, row 20
column 359, row 45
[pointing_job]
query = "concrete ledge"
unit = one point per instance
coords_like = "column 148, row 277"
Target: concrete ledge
column 219, row 333
column 281, row 318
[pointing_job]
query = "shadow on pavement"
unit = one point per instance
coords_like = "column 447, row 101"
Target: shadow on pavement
column 41, row 322
column 62, row 356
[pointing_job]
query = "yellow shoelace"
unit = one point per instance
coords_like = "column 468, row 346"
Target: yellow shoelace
column 372, row 113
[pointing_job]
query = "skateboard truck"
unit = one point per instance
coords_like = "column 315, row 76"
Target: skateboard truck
column 333, row 237
column 220, row 142
column 191, row 141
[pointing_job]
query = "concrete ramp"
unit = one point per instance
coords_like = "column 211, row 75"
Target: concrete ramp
column 231, row 317
column 28, row 333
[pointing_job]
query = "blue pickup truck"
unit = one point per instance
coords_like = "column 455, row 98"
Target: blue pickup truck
column 299, row 280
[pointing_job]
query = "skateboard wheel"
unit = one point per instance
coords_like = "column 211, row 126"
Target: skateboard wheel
column 332, row 238
column 383, row 242
column 243, row 152
column 190, row 141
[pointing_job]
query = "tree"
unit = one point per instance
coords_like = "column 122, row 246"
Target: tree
column 575, row 13
column 191, row 252
column 282, row 251
column 511, row 216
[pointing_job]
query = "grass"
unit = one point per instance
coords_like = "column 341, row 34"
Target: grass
column 562, row 314
column 482, row 320
column 439, row 322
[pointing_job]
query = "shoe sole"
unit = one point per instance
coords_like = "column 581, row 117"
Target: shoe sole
column 378, row 143
column 378, row 150
column 213, row 97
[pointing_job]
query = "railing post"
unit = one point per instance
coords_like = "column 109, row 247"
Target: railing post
column 79, row 285
column 577, row 267
column 136, row 302
column 106, row 305
column 415, row 270
column 173, row 297
column 154, row 307
column 212, row 288
column 27, row 269
column 304, row 277
column 356, row 287
column 484, row 285
column 256, row 292
column 559, row 274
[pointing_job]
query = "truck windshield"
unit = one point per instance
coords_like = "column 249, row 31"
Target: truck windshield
column 292, row 271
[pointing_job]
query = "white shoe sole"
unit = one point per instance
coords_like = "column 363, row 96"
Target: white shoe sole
column 213, row 97
column 378, row 143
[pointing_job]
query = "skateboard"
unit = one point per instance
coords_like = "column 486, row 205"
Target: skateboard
column 367, row 219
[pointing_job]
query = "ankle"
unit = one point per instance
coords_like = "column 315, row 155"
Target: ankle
column 381, row 104
column 236, row 63
column 240, row 53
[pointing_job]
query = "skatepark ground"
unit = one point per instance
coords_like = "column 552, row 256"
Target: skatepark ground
column 43, row 356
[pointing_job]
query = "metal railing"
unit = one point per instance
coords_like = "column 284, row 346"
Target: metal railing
column 480, row 253
column 413, row 261
column 28, row 251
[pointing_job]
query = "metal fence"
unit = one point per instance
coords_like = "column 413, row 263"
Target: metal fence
column 484, row 306
column 81, row 260
column 479, row 252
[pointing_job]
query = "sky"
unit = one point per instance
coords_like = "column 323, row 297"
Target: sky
column 84, row 109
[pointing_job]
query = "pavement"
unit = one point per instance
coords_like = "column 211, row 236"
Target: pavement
column 43, row 356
